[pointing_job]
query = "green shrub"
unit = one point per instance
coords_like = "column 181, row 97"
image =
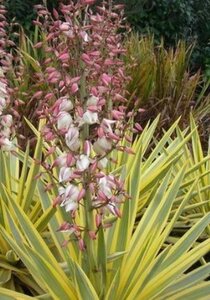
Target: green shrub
column 22, row 11
column 162, row 83
column 174, row 20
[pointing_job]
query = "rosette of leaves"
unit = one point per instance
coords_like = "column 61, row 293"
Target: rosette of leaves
column 131, row 260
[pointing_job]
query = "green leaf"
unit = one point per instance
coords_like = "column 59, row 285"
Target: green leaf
column 102, row 260
column 6, row 294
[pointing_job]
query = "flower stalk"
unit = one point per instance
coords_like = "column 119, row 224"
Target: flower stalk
column 82, row 98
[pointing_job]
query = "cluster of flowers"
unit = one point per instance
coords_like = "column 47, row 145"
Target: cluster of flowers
column 6, row 120
column 86, row 108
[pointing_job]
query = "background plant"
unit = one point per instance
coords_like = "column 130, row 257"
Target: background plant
column 173, row 20
column 161, row 83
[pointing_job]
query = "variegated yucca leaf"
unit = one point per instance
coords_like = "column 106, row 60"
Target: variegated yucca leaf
column 134, row 259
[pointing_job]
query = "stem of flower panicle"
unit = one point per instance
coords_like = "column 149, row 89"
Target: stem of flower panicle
column 89, row 212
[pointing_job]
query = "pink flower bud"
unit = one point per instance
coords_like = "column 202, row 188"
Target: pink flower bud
column 113, row 136
column 65, row 26
column 98, row 220
column 50, row 36
column 86, row 58
column 88, row 2
column 84, row 36
column 117, row 212
column 87, row 148
column 128, row 138
column 92, row 108
column 116, row 114
column 99, row 175
column 50, row 151
column 55, row 13
column 100, row 132
column 109, row 62
column 129, row 150
column 38, row 95
column 81, row 194
column 64, row 57
column 80, row 111
column 49, row 136
column 57, row 201
column 129, row 114
column 138, row 127
column 38, row 45
column 93, row 167
column 106, row 79
column 92, row 235
column 102, row 196
column 94, row 91
column 82, row 246
column 74, row 88
column 69, row 160
column 37, row 23
column 49, row 96
column 118, row 97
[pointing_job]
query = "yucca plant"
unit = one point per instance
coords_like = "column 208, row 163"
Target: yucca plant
column 133, row 261
column 88, row 250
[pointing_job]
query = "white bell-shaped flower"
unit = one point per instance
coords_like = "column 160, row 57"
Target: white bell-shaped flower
column 65, row 174
column 90, row 117
column 83, row 162
column 72, row 139
column 64, row 120
column 102, row 145
column 102, row 163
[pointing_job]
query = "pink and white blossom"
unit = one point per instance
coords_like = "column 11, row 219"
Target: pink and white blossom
column 6, row 120
column 6, row 144
column 102, row 163
column 72, row 139
column 64, row 120
column 105, row 187
column 102, row 145
column 69, row 197
column 65, row 104
column 90, row 117
column 83, row 162
column 65, row 174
